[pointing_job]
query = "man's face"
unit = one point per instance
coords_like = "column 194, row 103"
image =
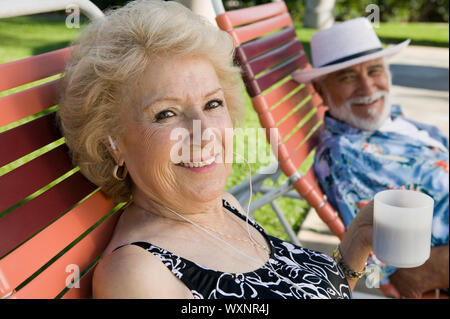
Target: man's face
column 358, row 95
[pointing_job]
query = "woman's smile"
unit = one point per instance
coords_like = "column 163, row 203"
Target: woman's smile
column 203, row 166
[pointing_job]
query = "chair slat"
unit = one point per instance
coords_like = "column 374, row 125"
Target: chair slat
column 307, row 183
column 16, row 73
column 272, row 58
column 250, row 84
column 16, row 106
column 256, row 87
column 299, row 136
column 297, row 157
column 32, row 176
column 53, row 279
column 300, row 155
column 277, row 94
column 291, row 160
column 23, row 222
column 22, row 263
column 255, row 30
column 252, row 49
column 290, row 124
column 27, row 138
column 85, row 289
column 309, row 189
column 335, row 224
column 287, row 106
column 260, row 105
column 284, row 162
column 292, row 121
column 230, row 19
column 281, row 72
column 315, row 198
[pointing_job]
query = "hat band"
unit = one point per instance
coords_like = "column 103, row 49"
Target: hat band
column 353, row 56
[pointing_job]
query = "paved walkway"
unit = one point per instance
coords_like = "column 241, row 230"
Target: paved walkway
column 420, row 81
column 421, row 84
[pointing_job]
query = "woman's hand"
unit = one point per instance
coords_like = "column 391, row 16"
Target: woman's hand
column 357, row 242
column 362, row 225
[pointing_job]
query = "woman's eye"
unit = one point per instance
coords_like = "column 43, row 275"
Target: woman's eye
column 213, row 104
column 164, row 115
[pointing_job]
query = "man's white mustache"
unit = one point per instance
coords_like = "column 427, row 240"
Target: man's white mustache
column 368, row 99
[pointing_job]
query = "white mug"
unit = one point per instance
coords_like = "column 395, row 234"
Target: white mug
column 402, row 227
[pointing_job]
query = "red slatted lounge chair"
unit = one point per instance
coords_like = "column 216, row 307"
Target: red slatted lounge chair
column 266, row 62
column 46, row 238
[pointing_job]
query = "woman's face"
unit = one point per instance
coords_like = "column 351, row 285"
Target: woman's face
column 174, row 142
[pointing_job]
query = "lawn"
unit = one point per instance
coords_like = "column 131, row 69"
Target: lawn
column 433, row 34
column 26, row 36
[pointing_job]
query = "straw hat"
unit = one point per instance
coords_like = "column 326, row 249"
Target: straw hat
column 343, row 45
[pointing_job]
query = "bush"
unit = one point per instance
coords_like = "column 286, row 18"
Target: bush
column 390, row 10
column 396, row 10
column 104, row 4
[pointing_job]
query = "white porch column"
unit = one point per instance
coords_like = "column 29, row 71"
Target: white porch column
column 319, row 14
column 202, row 7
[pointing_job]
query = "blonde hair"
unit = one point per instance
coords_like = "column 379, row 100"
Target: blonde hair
column 110, row 55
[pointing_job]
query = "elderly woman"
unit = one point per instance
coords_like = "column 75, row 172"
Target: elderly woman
column 135, row 77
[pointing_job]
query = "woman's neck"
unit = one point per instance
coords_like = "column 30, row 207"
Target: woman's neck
column 204, row 213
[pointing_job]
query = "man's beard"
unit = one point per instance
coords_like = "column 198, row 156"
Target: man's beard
column 345, row 114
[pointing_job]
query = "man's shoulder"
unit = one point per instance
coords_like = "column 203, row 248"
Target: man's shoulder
column 432, row 130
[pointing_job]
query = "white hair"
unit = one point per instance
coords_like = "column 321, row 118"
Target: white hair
column 111, row 56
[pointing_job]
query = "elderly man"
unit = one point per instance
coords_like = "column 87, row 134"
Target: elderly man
column 368, row 146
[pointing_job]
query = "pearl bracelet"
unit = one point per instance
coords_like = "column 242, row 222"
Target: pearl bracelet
column 348, row 272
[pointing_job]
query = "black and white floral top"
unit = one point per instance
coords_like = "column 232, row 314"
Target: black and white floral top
column 315, row 275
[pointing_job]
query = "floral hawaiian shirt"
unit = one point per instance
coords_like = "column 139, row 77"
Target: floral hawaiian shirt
column 352, row 165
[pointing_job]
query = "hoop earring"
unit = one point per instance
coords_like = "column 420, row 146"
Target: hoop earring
column 123, row 175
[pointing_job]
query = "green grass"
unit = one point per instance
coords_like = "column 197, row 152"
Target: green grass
column 25, row 36
column 432, row 34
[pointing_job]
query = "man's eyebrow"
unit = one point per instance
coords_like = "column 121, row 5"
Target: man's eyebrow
column 376, row 66
column 350, row 71
column 148, row 101
column 346, row 71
